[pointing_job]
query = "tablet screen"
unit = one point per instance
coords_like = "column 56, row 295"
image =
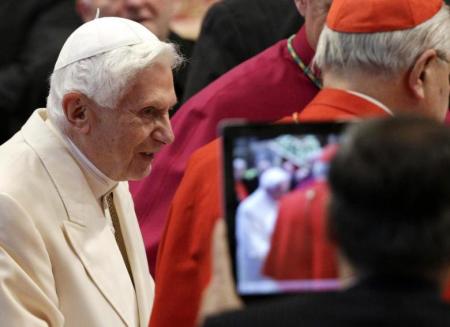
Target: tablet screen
column 275, row 202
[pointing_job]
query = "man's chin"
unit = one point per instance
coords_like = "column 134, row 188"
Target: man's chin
column 140, row 175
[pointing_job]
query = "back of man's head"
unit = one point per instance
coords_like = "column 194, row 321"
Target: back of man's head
column 394, row 51
column 381, row 37
column 390, row 203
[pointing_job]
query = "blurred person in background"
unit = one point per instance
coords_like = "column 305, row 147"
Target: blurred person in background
column 299, row 246
column 188, row 17
column 234, row 31
column 31, row 33
column 255, row 221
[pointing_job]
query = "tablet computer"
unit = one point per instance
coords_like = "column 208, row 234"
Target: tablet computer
column 275, row 204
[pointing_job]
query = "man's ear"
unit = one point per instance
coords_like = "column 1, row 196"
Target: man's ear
column 301, row 6
column 420, row 73
column 76, row 112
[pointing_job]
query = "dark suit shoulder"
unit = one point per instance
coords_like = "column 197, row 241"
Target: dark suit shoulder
column 358, row 308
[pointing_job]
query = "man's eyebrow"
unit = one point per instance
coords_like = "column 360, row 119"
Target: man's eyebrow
column 161, row 103
column 156, row 105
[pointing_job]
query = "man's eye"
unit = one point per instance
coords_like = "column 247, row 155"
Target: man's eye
column 149, row 111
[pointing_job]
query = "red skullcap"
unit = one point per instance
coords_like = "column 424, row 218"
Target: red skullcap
column 372, row 16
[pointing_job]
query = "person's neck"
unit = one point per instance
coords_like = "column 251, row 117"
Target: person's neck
column 387, row 90
column 85, row 154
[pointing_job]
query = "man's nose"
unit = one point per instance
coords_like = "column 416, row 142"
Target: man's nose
column 164, row 133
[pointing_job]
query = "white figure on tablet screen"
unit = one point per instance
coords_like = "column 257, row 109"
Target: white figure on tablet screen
column 255, row 221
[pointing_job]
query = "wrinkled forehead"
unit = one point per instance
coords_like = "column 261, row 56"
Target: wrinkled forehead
column 151, row 87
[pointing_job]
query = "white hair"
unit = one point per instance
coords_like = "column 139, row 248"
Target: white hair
column 383, row 53
column 105, row 77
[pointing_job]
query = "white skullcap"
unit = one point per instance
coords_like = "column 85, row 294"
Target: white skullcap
column 102, row 35
column 273, row 177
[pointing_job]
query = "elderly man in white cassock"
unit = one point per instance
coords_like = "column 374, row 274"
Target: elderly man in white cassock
column 71, row 253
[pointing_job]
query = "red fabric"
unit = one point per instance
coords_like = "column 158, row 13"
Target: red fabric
column 340, row 105
column 184, row 262
column 447, row 293
column 241, row 190
column 299, row 247
column 349, row 16
column 264, row 88
column 447, row 118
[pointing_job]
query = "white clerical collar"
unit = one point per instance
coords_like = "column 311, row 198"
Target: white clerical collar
column 370, row 99
column 98, row 181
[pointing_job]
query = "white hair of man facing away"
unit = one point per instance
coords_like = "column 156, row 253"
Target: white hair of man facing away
column 383, row 53
column 105, row 77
